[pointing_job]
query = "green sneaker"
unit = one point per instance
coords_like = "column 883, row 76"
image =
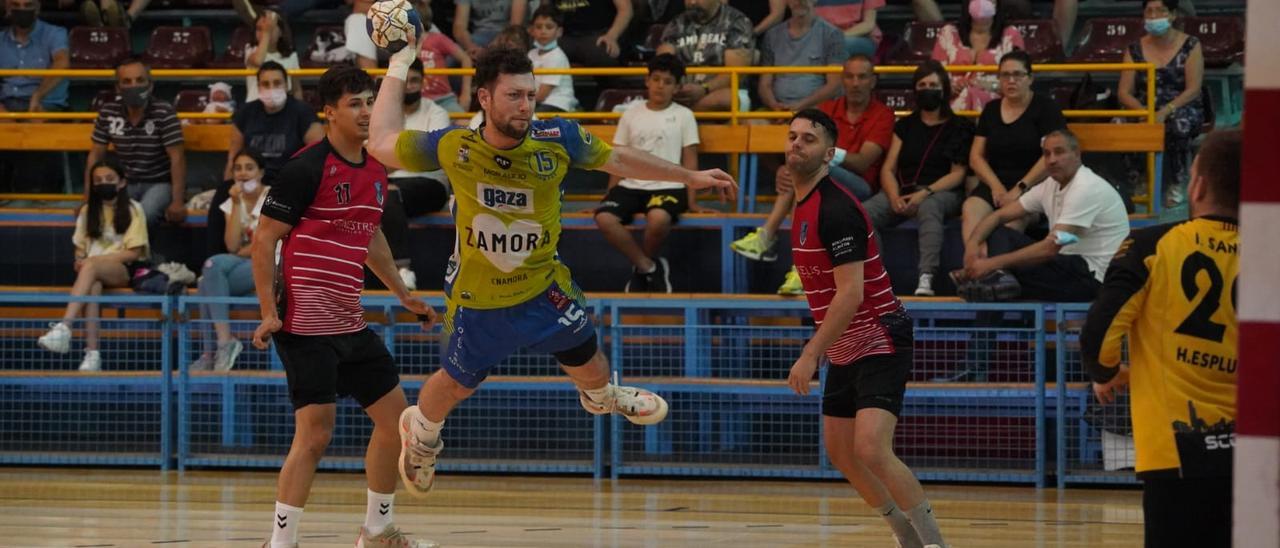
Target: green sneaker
column 753, row 246
column 791, row 286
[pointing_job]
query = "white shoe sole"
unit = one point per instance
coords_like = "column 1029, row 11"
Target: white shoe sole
column 406, row 437
column 763, row 257
column 650, row 420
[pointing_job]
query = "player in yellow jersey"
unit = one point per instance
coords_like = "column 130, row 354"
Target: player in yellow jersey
column 505, row 286
column 1171, row 289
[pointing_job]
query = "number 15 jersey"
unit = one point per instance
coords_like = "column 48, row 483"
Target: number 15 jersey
column 507, row 206
column 1172, row 288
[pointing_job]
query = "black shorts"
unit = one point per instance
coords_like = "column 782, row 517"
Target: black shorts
column 875, row 381
column 1186, row 512
column 624, row 203
column 983, row 192
column 321, row 368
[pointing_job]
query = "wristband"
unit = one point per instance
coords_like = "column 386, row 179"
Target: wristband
column 398, row 66
column 839, row 157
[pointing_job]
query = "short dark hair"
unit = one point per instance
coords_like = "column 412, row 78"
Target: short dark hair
column 549, row 11
column 496, row 62
column 1019, row 56
column 818, row 118
column 1070, row 136
column 417, row 66
column 133, row 60
column 933, row 67
column 1171, row 5
column 253, row 155
column 343, row 79
column 1219, row 164
column 270, row 66
column 668, row 63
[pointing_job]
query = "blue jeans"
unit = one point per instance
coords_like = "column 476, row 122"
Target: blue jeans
column 154, row 197
column 854, row 45
column 854, row 182
column 224, row 275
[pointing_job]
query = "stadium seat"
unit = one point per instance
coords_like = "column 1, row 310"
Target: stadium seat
column 328, row 47
column 1041, row 39
column 897, row 99
column 1222, row 38
column 179, row 47
column 103, row 97
column 96, row 47
column 920, row 38
column 191, row 100
column 613, row 97
column 233, row 56
column 1104, row 40
column 311, row 96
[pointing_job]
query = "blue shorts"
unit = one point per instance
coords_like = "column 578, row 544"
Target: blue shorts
column 552, row 322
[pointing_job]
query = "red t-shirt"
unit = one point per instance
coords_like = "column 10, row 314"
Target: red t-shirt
column 437, row 48
column 830, row 228
column 875, row 125
column 335, row 207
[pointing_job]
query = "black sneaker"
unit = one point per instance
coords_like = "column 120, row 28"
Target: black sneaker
column 639, row 282
column 660, row 278
column 998, row 286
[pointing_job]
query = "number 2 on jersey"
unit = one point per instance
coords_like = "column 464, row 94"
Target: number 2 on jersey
column 1199, row 323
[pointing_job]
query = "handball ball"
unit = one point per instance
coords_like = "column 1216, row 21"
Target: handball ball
column 389, row 23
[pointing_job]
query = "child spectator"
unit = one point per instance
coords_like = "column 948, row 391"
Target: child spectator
column 436, row 49
column 555, row 91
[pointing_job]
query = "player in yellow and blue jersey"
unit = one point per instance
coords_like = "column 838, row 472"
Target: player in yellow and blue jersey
column 505, row 287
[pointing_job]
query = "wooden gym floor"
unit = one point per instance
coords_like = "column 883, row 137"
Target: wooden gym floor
column 118, row 508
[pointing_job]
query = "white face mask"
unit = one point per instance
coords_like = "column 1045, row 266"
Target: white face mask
column 251, row 186
column 273, row 98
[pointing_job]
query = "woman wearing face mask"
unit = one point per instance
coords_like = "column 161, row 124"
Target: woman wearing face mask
column 110, row 236
column 924, row 169
column 274, row 43
column 1179, row 62
column 230, row 274
column 981, row 38
column 276, row 125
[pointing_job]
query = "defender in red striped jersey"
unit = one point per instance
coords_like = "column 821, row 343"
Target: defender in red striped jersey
column 863, row 332
column 326, row 209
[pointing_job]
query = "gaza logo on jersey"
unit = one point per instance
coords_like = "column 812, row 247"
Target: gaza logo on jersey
column 506, row 200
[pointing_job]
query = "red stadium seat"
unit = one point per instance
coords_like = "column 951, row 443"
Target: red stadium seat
column 1222, row 38
column 233, row 56
column 1041, row 39
column 103, row 97
column 191, row 100
column 613, row 97
column 95, row 47
column 328, row 48
column 1105, row 39
column 179, row 47
column 311, row 96
column 897, row 99
column 920, row 38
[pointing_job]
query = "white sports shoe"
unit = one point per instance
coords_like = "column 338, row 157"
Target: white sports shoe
column 409, row 278
column 392, row 537
column 925, row 287
column 92, row 361
column 57, row 339
column 638, row 405
column 417, row 461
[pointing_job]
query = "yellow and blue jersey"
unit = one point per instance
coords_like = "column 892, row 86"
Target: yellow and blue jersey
column 507, row 206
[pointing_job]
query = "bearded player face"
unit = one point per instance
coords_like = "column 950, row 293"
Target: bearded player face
column 508, row 104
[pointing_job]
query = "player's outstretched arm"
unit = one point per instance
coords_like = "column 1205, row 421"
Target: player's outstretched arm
column 628, row 162
column 263, row 262
column 387, row 120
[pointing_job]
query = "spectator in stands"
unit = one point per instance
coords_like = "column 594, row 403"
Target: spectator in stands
column 276, row 125
column 555, row 91
column 148, row 139
column 513, row 37
column 856, row 19
column 356, row 33
column 220, row 102
column 1179, row 63
column 709, row 34
column 982, row 37
column 477, row 22
column 595, row 31
column 805, row 40
column 924, row 170
column 667, row 130
column 763, row 14
column 30, row 43
column 1006, row 154
column 437, row 48
column 110, row 237
column 1088, row 221
column 109, row 13
column 274, row 43
column 230, row 274
column 865, row 132
column 410, row 194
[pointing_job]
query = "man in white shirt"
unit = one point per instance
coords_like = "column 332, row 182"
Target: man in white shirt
column 667, row 130
column 1088, row 223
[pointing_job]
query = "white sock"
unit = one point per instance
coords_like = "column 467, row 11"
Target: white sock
column 426, row 430
column 284, row 526
column 598, row 395
column 900, row 525
column 925, row 524
column 378, row 512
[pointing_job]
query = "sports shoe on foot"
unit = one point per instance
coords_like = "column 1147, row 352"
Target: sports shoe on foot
column 409, row 278
column 998, row 286
column 391, row 537
column 755, row 247
column 791, row 286
column 660, row 278
column 637, row 405
column 203, row 363
column 226, row 356
column 267, row 544
column 92, row 361
column 639, row 282
column 417, row 461
column 57, row 340
column 924, row 288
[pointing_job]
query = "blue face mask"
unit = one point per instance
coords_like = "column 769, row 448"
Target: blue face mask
column 1158, row 27
column 548, row 46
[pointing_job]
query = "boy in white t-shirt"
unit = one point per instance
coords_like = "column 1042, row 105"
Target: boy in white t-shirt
column 667, row 130
column 555, row 91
